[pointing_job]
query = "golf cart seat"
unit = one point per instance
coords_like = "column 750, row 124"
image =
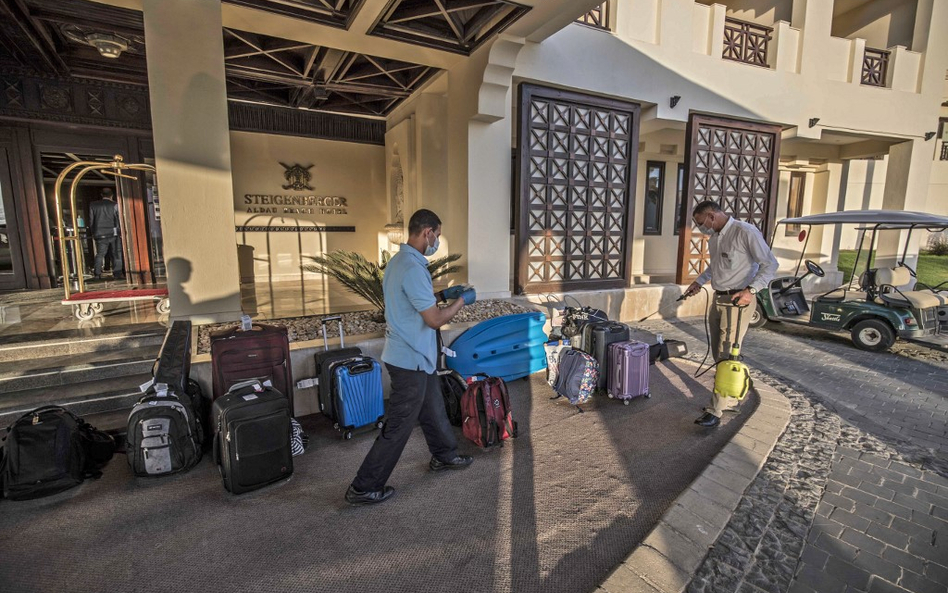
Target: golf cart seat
column 888, row 281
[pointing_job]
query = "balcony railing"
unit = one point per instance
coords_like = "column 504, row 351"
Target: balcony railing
column 875, row 63
column 597, row 17
column 746, row 42
column 944, row 151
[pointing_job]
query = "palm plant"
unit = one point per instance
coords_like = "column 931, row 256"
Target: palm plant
column 364, row 277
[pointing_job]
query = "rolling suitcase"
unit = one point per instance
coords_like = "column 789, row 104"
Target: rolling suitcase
column 252, row 437
column 356, row 394
column 628, row 377
column 596, row 340
column 325, row 361
column 261, row 353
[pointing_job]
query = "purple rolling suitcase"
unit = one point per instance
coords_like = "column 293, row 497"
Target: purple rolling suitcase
column 628, row 370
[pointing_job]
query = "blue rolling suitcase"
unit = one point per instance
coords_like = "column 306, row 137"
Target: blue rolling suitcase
column 357, row 394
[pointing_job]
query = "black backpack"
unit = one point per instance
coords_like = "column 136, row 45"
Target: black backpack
column 165, row 431
column 50, row 450
column 453, row 385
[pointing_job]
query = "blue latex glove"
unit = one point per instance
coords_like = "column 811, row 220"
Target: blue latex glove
column 453, row 292
column 469, row 295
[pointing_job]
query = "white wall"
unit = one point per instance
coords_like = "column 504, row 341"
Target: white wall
column 762, row 12
column 353, row 171
column 882, row 23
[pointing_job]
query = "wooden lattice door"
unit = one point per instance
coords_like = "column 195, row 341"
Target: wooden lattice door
column 735, row 164
column 576, row 165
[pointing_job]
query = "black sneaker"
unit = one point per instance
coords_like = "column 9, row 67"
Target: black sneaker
column 459, row 462
column 357, row 497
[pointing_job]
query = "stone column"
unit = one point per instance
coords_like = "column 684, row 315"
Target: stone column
column 192, row 151
column 906, row 188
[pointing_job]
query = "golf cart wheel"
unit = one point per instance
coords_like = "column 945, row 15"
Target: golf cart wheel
column 758, row 319
column 873, row 335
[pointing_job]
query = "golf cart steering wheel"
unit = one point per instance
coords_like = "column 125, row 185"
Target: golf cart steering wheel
column 813, row 268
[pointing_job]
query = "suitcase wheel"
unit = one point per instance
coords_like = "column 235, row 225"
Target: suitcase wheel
column 626, row 402
column 611, row 396
column 648, row 396
column 335, row 425
column 379, row 425
column 348, row 435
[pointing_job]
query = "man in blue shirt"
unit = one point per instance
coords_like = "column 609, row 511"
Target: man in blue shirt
column 410, row 355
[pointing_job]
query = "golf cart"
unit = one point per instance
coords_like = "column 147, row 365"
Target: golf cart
column 876, row 307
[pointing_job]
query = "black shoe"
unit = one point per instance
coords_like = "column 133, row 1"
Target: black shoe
column 357, row 497
column 459, row 462
column 708, row 421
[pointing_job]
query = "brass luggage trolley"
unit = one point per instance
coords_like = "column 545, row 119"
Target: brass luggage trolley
column 87, row 305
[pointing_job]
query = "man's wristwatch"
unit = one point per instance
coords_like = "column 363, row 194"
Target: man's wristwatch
column 751, row 289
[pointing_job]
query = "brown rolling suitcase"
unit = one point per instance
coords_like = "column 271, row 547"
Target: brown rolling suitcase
column 262, row 353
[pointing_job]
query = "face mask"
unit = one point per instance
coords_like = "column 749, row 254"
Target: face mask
column 432, row 249
column 705, row 229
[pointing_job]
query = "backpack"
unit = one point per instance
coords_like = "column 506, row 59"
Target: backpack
column 452, row 389
column 577, row 377
column 575, row 317
column 50, row 450
column 165, row 434
column 485, row 407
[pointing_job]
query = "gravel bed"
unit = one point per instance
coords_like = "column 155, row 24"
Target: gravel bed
column 302, row 329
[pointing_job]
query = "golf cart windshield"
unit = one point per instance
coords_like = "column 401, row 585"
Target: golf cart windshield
column 870, row 220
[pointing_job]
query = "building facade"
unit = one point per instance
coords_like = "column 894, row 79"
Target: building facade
column 563, row 143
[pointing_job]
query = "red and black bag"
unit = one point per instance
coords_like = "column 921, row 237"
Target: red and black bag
column 485, row 407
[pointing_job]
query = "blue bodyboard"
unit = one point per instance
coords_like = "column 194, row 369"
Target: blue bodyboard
column 358, row 391
column 509, row 347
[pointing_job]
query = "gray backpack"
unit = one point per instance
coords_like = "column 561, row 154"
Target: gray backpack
column 165, row 434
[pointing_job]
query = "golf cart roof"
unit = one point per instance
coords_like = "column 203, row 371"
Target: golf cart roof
column 885, row 219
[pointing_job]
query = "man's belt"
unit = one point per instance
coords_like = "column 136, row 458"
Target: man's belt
column 728, row 292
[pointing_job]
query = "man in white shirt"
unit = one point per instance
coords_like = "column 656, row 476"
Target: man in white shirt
column 741, row 264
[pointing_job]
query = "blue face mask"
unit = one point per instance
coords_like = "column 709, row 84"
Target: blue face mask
column 432, row 249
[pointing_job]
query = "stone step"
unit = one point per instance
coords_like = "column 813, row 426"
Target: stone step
column 51, row 344
column 55, row 371
column 117, row 394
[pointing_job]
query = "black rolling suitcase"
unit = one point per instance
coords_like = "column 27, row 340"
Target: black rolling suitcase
column 326, row 361
column 252, row 437
column 596, row 339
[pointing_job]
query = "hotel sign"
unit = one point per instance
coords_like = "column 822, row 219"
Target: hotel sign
column 298, row 178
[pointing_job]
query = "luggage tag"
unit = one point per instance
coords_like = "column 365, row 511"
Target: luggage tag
column 144, row 386
column 448, row 352
column 246, row 324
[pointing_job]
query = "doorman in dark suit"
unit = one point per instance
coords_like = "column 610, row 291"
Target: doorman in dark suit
column 107, row 233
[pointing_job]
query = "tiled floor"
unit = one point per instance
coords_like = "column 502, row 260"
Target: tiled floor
column 27, row 315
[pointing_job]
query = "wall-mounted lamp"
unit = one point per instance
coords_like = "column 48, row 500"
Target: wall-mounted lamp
column 929, row 136
column 395, row 232
column 674, row 101
column 814, row 121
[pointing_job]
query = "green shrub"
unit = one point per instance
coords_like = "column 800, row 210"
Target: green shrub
column 364, row 278
column 938, row 244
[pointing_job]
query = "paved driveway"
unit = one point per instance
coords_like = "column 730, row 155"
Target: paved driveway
column 870, row 434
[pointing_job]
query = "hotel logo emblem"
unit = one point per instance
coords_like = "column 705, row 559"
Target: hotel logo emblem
column 297, row 177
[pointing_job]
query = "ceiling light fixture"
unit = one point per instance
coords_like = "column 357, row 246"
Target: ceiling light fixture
column 814, row 121
column 109, row 46
column 929, row 136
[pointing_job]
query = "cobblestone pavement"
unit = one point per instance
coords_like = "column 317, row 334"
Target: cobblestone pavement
column 854, row 496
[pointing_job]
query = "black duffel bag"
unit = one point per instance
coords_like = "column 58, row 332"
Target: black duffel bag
column 50, row 450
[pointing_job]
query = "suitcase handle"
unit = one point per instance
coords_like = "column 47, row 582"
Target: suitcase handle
column 242, row 384
column 342, row 336
column 360, row 367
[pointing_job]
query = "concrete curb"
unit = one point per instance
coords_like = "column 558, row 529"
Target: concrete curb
column 669, row 556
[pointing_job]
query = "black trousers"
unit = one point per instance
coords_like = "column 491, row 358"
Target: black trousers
column 113, row 245
column 416, row 398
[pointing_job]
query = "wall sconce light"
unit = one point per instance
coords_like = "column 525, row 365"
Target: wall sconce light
column 395, row 232
column 929, row 136
column 674, row 101
column 814, row 121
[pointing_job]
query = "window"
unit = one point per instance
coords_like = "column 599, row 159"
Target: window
column 654, row 190
column 679, row 191
column 795, row 201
